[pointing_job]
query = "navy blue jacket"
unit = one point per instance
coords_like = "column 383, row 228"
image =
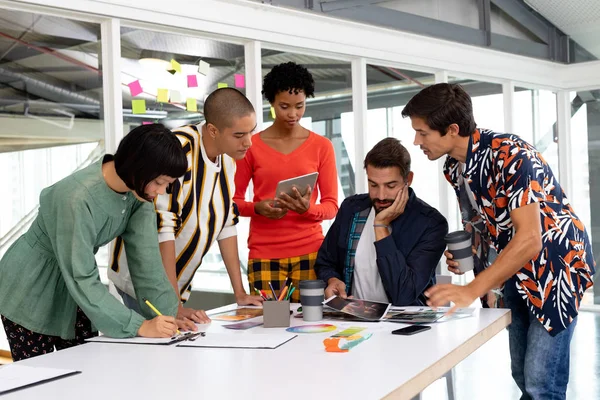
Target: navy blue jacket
column 406, row 259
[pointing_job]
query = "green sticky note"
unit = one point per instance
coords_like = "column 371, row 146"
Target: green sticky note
column 138, row 106
column 221, row 85
column 162, row 96
column 192, row 105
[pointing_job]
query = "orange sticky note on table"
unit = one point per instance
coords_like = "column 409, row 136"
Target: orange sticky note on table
column 191, row 105
column 162, row 96
column 272, row 112
column 135, row 88
column 240, row 81
column 222, row 85
column 138, row 106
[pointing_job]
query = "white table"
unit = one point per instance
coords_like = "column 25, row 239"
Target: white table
column 386, row 365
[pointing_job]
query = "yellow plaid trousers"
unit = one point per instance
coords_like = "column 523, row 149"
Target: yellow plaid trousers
column 262, row 271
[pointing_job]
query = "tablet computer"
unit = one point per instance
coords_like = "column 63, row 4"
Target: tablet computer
column 299, row 182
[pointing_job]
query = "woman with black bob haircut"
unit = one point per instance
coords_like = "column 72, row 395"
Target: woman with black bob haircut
column 285, row 236
column 50, row 289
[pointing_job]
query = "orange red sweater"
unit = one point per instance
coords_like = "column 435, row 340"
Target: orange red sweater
column 294, row 234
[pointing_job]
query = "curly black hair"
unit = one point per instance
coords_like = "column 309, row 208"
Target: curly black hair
column 288, row 77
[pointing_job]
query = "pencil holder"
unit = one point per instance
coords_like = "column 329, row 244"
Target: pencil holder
column 276, row 314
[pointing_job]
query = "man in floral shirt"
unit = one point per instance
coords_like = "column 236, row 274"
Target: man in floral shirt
column 527, row 238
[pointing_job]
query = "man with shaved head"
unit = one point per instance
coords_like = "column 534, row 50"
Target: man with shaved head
column 198, row 209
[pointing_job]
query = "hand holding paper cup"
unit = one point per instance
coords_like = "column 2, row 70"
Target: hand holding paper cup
column 459, row 245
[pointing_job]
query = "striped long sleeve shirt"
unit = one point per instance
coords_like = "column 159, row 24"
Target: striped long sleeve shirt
column 197, row 211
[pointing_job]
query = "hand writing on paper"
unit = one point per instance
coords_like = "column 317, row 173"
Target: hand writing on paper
column 197, row 316
column 161, row 326
column 335, row 287
column 461, row 296
column 266, row 209
column 246, row 300
column 296, row 202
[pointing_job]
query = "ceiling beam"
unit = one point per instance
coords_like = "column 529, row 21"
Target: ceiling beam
column 526, row 17
column 403, row 21
column 485, row 24
column 327, row 6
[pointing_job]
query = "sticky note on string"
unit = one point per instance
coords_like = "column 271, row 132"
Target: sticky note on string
column 175, row 67
column 221, row 85
column 272, row 112
column 191, row 105
column 176, row 96
column 138, row 106
column 162, row 96
column 203, row 67
column 240, row 81
column 135, row 88
column 192, row 81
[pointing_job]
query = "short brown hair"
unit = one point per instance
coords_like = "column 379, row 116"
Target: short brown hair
column 389, row 153
column 442, row 105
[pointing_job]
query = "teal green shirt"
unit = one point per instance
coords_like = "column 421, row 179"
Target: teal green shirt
column 51, row 269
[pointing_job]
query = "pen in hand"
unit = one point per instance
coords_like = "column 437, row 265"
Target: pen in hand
column 156, row 311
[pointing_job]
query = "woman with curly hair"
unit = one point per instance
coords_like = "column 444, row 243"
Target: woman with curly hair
column 285, row 237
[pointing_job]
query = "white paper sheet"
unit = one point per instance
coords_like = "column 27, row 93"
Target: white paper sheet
column 242, row 341
column 15, row 376
column 144, row 340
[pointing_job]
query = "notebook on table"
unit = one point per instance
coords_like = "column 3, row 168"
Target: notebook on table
column 143, row 340
column 270, row 340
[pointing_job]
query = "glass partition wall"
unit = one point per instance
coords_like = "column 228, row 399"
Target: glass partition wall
column 52, row 97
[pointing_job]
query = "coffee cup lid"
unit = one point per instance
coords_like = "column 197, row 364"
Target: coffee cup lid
column 457, row 237
column 312, row 284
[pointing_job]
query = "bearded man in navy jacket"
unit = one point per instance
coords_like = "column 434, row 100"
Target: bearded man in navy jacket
column 384, row 245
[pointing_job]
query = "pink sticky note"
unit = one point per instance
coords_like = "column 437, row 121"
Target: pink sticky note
column 147, row 123
column 192, row 81
column 135, row 88
column 240, row 81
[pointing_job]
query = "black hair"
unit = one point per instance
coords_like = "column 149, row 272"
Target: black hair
column 288, row 77
column 442, row 105
column 146, row 153
column 389, row 152
column 226, row 105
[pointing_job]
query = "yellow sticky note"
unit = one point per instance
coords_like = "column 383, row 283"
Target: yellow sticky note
column 175, row 66
column 138, row 106
column 192, row 105
column 221, row 85
column 162, row 96
column 272, row 113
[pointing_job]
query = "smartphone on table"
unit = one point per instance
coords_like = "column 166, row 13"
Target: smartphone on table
column 411, row 330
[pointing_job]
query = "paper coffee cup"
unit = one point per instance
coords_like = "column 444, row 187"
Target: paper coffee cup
column 459, row 245
column 312, row 295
